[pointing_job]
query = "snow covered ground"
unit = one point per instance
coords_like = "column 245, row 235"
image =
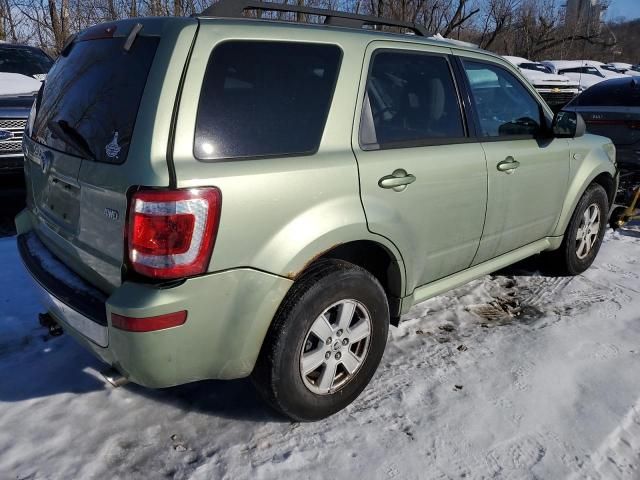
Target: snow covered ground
column 516, row 375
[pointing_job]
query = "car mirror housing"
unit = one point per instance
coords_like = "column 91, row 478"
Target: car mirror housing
column 567, row 124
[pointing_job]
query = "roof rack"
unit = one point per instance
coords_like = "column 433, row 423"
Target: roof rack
column 235, row 8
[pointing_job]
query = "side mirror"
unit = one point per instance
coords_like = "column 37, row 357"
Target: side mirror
column 567, row 124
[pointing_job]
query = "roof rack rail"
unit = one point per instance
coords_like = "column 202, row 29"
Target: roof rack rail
column 235, row 8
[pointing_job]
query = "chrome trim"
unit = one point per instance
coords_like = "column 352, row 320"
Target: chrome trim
column 83, row 325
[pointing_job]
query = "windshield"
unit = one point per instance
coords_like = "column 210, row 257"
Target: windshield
column 592, row 71
column 582, row 70
column 24, row 60
column 538, row 67
column 91, row 96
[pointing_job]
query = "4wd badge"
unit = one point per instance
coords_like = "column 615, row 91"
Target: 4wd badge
column 111, row 214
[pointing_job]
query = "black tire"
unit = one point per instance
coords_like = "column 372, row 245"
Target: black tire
column 278, row 375
column 565, row 260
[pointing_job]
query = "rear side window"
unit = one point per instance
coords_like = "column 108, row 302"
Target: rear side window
column 610, row 93
column 411, row 100
column 262, row 99
column 91, row 97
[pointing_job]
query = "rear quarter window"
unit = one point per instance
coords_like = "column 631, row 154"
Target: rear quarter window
column 264, row 99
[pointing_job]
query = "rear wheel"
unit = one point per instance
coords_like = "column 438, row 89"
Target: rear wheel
column 584, row 234
column 325, row 342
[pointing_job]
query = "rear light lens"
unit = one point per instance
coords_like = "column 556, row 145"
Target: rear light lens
column 172, row 232
column 148, row 324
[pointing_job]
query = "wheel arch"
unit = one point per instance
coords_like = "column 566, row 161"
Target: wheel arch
column 381, row 263
column 606, row 180
column 599, row 175
column 375, row 257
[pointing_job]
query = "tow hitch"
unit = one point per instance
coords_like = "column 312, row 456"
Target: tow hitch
column 49, row 323
column 114, row 377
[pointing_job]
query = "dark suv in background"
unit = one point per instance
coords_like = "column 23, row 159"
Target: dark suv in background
column 22, row 68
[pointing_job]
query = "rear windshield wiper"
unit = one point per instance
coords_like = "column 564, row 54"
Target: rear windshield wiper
column 71, row 137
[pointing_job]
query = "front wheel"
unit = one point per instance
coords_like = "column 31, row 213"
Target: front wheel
column 584, row 234
column 325, row 342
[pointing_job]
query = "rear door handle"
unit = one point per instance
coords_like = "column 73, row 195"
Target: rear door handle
column 397, row 181
column 508, row 165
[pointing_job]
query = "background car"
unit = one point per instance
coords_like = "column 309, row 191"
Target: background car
column 22, row 69
column 612, row 109
column 585, row 75
column 557, row 90
column 600, row 67
column 619, row 67
column 24, row 60
column 14, row 110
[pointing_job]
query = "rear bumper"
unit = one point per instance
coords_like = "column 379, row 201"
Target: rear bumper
column 63, row 293
column 228, row 317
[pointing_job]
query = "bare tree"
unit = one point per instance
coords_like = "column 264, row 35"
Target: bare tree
column 532, row 28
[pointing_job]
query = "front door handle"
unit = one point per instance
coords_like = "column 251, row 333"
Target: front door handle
column 398, row 180
column 508, row 165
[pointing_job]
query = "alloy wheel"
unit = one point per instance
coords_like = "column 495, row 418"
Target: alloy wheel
column 588, row 231
column 335, row 346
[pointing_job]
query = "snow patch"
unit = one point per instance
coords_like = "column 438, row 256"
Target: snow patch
column 545, row 385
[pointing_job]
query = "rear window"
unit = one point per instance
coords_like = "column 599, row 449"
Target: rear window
column 262, row 99
column 90, row 99
column 612, row 93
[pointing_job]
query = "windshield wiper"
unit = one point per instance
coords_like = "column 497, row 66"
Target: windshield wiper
column 71, row 137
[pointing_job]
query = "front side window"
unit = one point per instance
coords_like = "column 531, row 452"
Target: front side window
column 410, row 100
column 504, row 106
column 262, row 99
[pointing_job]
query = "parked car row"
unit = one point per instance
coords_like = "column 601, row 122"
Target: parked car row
column 557, row 90
column 560, row 81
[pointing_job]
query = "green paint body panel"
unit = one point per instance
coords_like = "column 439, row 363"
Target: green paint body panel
column 460, row 219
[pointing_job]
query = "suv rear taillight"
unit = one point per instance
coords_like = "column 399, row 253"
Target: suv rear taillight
column 171, row 232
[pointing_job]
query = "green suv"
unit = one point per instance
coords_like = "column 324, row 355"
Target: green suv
column 217, row 197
